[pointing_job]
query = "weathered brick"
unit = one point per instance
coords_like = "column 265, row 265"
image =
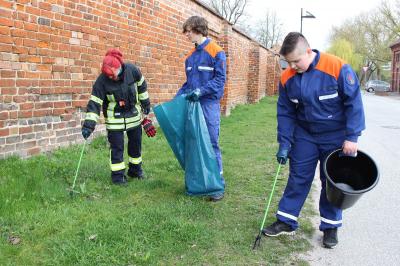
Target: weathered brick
column 7, row 82
column 55, row 48
column 4, row 132
column 4, row 115
column 19, row 33
column 6, row 39
column 6, row 4
column 43, row 21
column 38, row 128
column 26, row 145
column 8, row 74
column 12, row 140
column 9, row 91
column 6, row 22
column 25, row 130
column 33, row 151
column 25, row 114
column 26, row 106
column 7, row 148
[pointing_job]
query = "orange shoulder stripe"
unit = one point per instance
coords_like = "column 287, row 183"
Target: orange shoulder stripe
column 190, row 53
column 287, row 74
column 213, row 48
column 330, row 64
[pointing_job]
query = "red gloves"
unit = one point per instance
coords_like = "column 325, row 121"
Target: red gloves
column 148, row 127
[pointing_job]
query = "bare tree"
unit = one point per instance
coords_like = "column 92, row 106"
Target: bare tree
column 231, row 10
column 370, row 38
column 391, row 17
column 269, row 30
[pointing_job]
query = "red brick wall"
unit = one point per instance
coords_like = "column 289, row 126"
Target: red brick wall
column 395, row 84
column 238, row 54
column 273, row 74
column 50, row 54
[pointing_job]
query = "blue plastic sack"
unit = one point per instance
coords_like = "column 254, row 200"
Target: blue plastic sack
column 186, row 131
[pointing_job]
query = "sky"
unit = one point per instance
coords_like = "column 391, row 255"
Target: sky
column 327, row 13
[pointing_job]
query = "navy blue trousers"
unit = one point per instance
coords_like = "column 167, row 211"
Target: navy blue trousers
column 117, row 165
column 305, row 153
column 211, row 111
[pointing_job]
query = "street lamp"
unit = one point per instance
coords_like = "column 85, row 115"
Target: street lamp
column 307, row 15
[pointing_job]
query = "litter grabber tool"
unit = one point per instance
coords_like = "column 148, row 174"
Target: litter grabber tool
column 71, row 190
column 257, row 242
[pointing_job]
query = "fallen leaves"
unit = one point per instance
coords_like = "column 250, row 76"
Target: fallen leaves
column 14, row 240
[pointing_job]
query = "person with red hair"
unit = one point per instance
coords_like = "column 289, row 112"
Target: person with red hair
column 121, row 92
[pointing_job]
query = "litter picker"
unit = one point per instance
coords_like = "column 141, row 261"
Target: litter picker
column 71, row 190
column 257, row 242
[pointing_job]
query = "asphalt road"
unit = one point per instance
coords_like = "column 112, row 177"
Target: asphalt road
column 371, row 228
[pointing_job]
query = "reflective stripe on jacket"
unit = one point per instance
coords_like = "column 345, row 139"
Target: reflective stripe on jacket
column 120, row 100
column 323, row 99
column 205, row 69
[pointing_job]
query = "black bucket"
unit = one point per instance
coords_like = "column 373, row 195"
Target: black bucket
column 347, row 178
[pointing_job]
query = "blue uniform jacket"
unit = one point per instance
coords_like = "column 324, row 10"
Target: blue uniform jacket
column 206, row 70
column 324, row 99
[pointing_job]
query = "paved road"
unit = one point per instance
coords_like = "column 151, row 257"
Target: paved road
column 371, row 233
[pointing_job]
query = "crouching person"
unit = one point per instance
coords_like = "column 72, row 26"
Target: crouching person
column 121, row 91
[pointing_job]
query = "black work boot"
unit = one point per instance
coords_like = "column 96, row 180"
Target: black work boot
column 118, row 178
column 278, row 228
column 135, row 171
column 120, row 182
column 330, row 239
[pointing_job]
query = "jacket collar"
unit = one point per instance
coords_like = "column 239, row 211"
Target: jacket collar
column 315, row 61
column 201, row 46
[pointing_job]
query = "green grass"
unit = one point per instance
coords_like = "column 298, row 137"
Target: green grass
column 150, row 222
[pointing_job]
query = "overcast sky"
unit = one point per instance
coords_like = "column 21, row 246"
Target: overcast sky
column 327, row 13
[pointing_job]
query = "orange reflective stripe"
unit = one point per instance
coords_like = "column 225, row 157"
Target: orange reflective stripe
column 286, row 75
column 190, row 53
column 213, row 49
column 330, row 64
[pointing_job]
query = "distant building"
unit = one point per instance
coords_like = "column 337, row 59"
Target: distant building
column 395, row 66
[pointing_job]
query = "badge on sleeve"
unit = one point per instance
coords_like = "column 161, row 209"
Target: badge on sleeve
column 350, row 79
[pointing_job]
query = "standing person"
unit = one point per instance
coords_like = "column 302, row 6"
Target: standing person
column 319, row 110
column 206, row 74
column 121, row 91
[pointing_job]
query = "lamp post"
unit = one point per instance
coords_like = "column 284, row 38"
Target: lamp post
column 307, row 15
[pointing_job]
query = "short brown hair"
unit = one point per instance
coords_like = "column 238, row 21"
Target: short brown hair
column 290, row 42
column 196, row 24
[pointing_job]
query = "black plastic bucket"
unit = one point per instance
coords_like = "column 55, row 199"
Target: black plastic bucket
column 347, row 178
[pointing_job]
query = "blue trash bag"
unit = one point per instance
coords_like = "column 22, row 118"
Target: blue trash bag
column 186, row 131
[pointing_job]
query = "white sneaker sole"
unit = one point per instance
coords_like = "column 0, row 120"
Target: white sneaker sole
column 281, row 233
column 328, row 247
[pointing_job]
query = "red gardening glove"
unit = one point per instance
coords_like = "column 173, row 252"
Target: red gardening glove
column 148, row 127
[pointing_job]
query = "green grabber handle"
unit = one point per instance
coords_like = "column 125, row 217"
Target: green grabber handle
column 79, row 165
column 270, row 196
column 258, row 238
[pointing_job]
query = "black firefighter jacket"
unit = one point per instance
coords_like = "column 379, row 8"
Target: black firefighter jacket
column 121, row 100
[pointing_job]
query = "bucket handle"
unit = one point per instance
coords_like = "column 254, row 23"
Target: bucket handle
column 342, row 154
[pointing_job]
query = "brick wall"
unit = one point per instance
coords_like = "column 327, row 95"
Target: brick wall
column 395, row 83
column 50, row 54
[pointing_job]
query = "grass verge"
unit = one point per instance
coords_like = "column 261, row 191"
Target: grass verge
column 150, row 222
